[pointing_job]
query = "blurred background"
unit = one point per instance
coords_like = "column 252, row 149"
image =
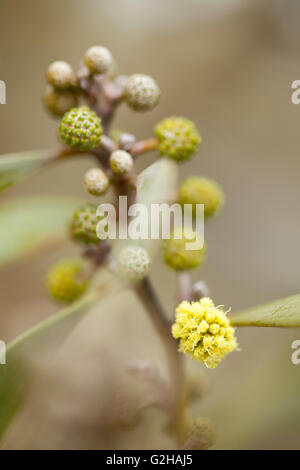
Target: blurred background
column 228, row 66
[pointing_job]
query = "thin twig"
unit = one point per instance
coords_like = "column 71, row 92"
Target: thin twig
column 108, row 144
column 162, row 325
column 144, row 146
column 184, row 286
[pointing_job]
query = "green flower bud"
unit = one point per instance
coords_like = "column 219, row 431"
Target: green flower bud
column 199, row 190
column 175, row 253
column 58, row 102
column 81, row 129
column 65, row 281
column 178, row 138
column 121, row 162
column 98, row 59
column 60, row 74
column 141, row 92
column 84, row 224
column 96, row 181
column 133, row 263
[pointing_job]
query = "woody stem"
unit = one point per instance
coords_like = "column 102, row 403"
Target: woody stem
column 144, row 146
column 162, row 325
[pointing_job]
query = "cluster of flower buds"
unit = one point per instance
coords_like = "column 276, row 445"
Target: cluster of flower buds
column 85, row 127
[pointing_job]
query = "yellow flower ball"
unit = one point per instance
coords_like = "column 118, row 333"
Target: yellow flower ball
column 204, row 331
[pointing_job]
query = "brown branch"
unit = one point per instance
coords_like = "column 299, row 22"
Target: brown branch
column 144, row 146
column 147, row 295
column 112, row 95
column 108, row 144
column 65, row 152
column 184, row 286
column 98, row 254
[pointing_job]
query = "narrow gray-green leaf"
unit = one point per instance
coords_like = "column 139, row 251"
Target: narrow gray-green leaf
column 283, row 313
column 42, row 341
column 16, row 166
column 26, row 224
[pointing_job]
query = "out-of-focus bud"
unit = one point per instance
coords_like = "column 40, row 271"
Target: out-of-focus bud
column 96, row 182
column 60, row 74
column 98, row 59
column 121, row 162
column 201, row 435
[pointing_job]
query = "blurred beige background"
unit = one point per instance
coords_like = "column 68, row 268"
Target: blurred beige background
column 227, row 65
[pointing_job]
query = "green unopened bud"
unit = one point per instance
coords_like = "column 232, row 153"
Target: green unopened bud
column 81, row 129
column 96, row 181
column 60, row 74
column 176, row 254
column 84, row 224
column 65, row 280
column 178, row 138
column 199, row 190
column 141, row 92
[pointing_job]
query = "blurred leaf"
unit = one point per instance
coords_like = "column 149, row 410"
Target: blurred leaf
column 42, row 342
column 16, row 166
column 157, row 184
column 28, row 223
column 284, row 313
column 255, row 400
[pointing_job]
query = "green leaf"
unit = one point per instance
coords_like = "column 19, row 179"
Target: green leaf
column 42, row 341
column 26, row 224
column 283, row 313
column 16, row 166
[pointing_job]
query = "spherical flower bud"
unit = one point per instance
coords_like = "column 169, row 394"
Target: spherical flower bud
column 127, row 140
column 141, row 92
column 199, row 190
column 133, row 263
column 196, row 385
column 98, row 59
column 121, row 162
column 65, row 280
column 201, row 435
column 60, row 74
column 84, row 224
column 204, row 331
column 200, row 289
column 58, row 102
column 81, row 129
column 178, row 138
column 178, row 255
column 96, row 181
